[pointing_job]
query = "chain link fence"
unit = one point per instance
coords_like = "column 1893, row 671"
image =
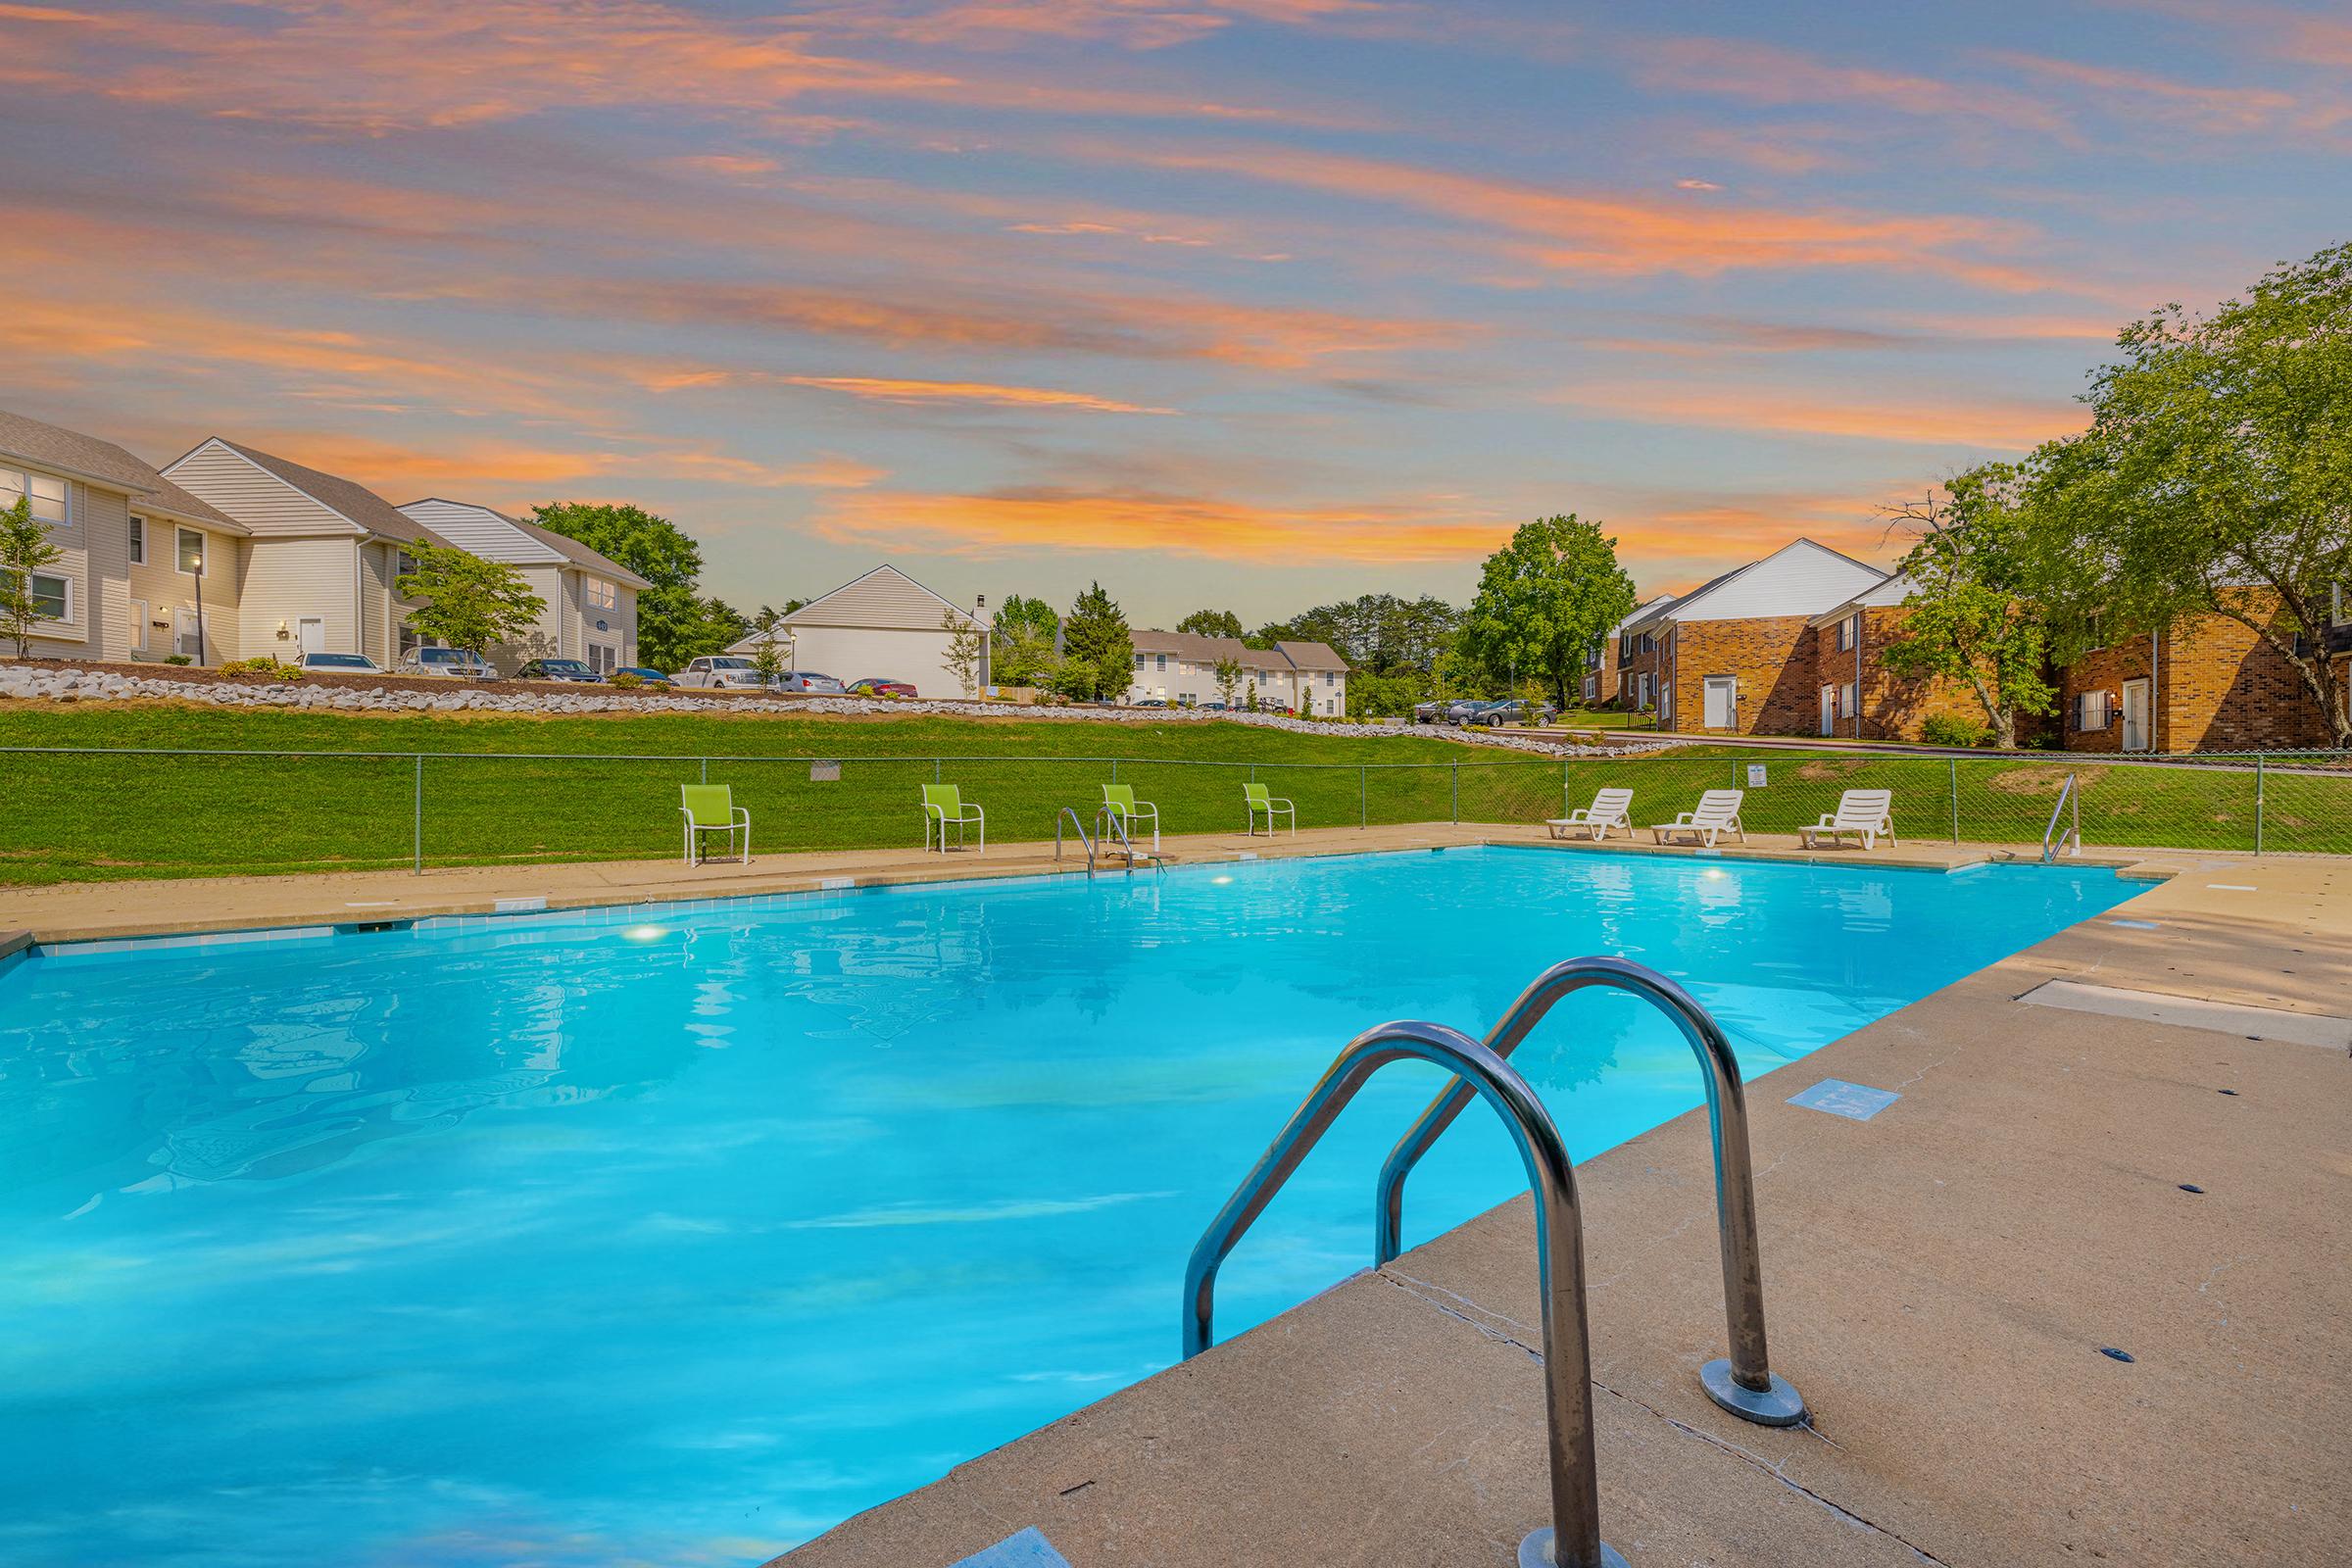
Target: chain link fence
column 90, row 814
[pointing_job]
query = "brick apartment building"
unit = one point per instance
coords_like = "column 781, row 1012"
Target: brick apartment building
column 2209, row 684
column 1859, row 698
column 1736, row 654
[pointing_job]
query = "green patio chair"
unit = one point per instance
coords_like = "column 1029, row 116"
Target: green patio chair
column 712, row 809
column 944, row 807
column 1255, row 796
column 1118, row 800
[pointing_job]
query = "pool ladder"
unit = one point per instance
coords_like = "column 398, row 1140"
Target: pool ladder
column 1741, row 1383
column 1115, row 824
column 2053, row 841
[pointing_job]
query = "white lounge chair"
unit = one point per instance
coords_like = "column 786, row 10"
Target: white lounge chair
column 1717, row 813
column 1611, row 808
column 1867, row 815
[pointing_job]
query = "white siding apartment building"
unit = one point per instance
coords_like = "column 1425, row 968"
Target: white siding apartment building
column 591, row 613
column 1179, row 667
column 883, row 626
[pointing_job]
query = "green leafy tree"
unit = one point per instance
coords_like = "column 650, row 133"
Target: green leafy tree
column 1228, row 672
column 468, row 603
column 1545, row 600
column 1096, row 638
column 25, row 549
column 967, row 646
column 768, row 654
column 674, row 622
column 1211, row 624
column 2216, row 478
column 1024, row 633
column 1375, row 633
column 1972, row 616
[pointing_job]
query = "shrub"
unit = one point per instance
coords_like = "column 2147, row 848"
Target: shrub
column 263, row 664
column 628, row 680
column 1944, row 730
column 177, row 659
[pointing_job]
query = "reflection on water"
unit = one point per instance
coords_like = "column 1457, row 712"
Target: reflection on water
column 590, row 1244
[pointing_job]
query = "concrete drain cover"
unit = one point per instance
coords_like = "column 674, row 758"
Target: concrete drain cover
column 2195, row 1013
column 1854, row 1102
column 1025, row 1548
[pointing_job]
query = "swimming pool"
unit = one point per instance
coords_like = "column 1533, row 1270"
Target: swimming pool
column 680, row 1236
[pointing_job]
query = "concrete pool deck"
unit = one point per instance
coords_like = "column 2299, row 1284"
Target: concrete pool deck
column 1941, row 1281
column 70, row 912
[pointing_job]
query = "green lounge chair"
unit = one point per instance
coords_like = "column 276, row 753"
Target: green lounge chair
column 1254, row 796
column 944, row 807
column 712, row 809
column 1118, row 800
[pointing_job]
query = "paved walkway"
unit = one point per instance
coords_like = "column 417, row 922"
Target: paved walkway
column 1941, row 1281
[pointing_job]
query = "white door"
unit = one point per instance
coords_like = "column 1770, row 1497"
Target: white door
column 191, row 635
column 311, row 634
column 1722, row 709
column 2137, row 732
column 1828, row 709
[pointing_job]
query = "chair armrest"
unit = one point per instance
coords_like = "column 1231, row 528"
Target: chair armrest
column 742, row 817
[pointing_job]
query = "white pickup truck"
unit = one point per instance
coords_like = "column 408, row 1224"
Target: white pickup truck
column 726, row 671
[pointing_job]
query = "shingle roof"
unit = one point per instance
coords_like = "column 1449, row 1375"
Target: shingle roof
column 1209, row 650
column 1311, row 656
column 578, row 554
column 85, row 457
column 356, row 503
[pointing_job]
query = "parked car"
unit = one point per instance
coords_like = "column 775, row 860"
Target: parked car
column 353, row 663
column 1429, row 713
column 1213, row 707
column 810, row 682
column 455, row 662
column 1153, row 702
column 882, row 686
column 646, row 673
column 1458, row 710
column 719, row 672
column 1514, row 711
column 559, row 669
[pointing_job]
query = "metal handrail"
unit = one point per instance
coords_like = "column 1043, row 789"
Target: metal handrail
column 2067, row 797
column 1574, row 1538
column 1743, row 1382
column 1118, row 825
column 1078, row 828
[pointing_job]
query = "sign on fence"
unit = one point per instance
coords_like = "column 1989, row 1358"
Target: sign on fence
column 824, row 772
column 1755, row 776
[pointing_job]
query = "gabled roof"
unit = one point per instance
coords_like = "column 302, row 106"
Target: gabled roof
column 885, row 599
column 1887, row 591
column 354, row 504
column 1209, row 650
column 1311, row 656
column 568, row 548
column 1803, row 578
column 102, row 462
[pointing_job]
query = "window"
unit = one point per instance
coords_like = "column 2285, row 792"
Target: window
column 1849, row 632
column 48, row 495
column 1328, row 679
column 403, row 564
column 191, row 551
column 1162, row 660
column 1139, row 660
column 52, row 595
column 1847, row 706
column 138, row 540
column 600, row 593
column 138, row 622
column 2093, row 710
column 409, row 637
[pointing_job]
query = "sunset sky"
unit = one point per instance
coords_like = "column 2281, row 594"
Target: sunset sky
column 1245, row 302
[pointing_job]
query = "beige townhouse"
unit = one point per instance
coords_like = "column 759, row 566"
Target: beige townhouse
column 591, row 601
column 1179, row 667
column 145, row 569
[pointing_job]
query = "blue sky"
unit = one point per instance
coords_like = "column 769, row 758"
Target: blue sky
column 1245, row 303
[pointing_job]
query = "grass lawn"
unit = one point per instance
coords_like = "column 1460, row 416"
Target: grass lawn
column 103, row 814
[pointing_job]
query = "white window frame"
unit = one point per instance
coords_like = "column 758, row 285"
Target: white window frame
column 598, row 594
column 65, row 593
column 1849, row 632
column 138, row 540
column 15, row 482
column 2107, row 709
column 139, row 612
column 204, row 553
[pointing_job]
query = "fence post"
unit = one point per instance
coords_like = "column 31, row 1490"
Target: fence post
column 1363, row 796
column 416, row 840
column 1114, row 770
column 1457, row 792
column 935, row 770
column 705, row 771
column 1955, row 762
column 2258, row 781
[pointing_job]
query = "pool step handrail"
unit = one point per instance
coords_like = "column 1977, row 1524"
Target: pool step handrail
column 2053, row 841
column 1572, row 1539
column 1108, row 823
column 1743, row 1382
column 1078, row 828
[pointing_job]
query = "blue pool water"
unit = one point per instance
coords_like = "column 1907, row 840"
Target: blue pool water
column 572, row 1241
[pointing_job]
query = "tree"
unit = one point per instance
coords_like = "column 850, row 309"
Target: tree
column 674, row 623
column 468, row 603
column 2216, row 478
column 967, row 645
column 25, row 549
column 1024, row 633
column 1211, row 624
column 767, row 659
column 1972, row 616
column 1375, row 633
column 1545, row 600
column 1229, row 676
column 1096, row 638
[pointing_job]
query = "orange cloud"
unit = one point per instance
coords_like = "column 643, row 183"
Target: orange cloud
column 1132, row 23
column 2215, row 110
column 2001, row 426
column 1753, row 72
column 1004, row 521
column 881, row 389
